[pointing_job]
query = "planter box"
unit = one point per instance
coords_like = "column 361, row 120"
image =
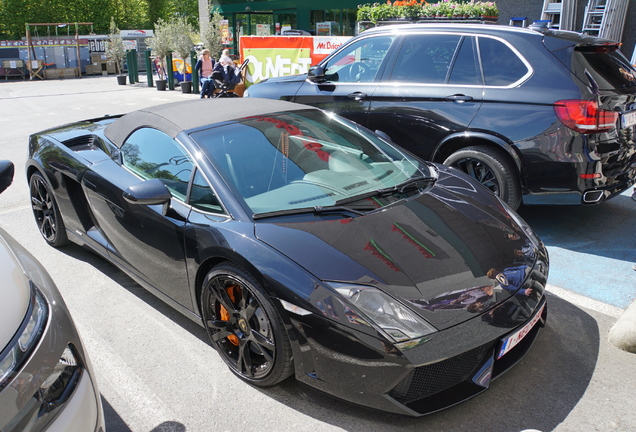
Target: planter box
column 68, row 73
column 52, row 73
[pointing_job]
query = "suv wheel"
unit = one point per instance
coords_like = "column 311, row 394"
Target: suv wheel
column 490, row 167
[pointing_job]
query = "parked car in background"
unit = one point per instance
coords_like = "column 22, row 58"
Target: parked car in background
column 46, row 381
column 305, row 244
column 538, row 117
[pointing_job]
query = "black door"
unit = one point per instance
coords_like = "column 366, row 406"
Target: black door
column 144, row 238
column 352, row 77
column 433, row 89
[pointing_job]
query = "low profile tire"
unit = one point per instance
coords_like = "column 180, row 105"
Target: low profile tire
column 46, row 212
column 244, row 327
column 490, row 167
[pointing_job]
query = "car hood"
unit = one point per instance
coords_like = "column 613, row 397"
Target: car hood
column 286, row 79
column 283, row 87
column 435, row 252
column 16, row 294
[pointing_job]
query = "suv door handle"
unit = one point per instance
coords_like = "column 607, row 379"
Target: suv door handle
column 460, row 98
column 358, row 96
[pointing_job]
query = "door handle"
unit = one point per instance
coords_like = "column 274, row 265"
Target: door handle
column 459, row 98
column 358, row 96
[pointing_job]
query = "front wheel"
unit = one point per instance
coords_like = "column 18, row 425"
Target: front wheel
column 47, row 215
column 244, row 327
column 490, row 167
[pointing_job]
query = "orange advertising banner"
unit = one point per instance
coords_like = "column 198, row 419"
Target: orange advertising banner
column 273, row 56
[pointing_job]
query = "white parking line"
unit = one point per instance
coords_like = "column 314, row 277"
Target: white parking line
column 585, row 302
column 121, row 387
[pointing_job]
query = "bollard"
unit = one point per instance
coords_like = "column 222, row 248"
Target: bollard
column 134, row 64
column 148, row 68
column 170, row 72
column 195, row 73
column 129, row 62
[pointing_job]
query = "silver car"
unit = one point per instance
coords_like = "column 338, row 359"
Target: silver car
column 46, row 380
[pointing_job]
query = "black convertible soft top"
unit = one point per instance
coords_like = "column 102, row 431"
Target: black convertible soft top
column 176, row 117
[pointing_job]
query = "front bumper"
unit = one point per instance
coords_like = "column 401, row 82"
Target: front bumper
column 451, row 366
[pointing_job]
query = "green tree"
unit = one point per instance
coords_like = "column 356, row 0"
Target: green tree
column 212, row 36
column 115, row 48
column 159, row 44
column 181, row 32
column 128, row 14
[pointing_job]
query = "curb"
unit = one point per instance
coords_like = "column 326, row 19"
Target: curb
column 623, row 333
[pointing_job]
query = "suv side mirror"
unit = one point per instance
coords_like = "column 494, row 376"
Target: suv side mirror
column 316, row 74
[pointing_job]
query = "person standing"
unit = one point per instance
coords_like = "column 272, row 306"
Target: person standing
column 205, row 66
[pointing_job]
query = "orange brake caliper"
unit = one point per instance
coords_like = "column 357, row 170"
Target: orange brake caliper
column 225, row 315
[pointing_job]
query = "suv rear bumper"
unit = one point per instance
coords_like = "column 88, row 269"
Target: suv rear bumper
column 587, row 196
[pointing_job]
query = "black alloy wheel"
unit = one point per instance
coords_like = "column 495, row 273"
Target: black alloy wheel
column 244, row 327
column 491, row 168
column 46, row 213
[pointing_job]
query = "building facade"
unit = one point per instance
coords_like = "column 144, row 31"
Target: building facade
column 338, row 17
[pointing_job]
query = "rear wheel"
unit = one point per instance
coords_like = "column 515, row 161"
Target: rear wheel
column 490, row 167
column 47, row 214
column 244, row 327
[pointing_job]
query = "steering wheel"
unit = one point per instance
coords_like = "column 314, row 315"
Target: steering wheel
column 358, row 70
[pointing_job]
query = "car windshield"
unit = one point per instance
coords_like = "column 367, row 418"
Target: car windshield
column 304, row 159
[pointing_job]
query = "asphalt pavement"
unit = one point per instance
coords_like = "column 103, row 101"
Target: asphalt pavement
column 157, row 372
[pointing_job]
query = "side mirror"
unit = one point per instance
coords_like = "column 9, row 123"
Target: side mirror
column 6, row 174
column 316, row 74
column 148, row 192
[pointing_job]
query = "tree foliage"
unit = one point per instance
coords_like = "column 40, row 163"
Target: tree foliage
column 128, row 14
column 181, row 32
column 212, row 35
column 115, row 48
column 160, row 44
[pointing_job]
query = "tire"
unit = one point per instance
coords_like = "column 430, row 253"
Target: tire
column 46, row 212
column 244, row 327
column 490, row 167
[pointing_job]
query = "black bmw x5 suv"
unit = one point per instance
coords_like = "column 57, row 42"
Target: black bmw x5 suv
column 538, row 117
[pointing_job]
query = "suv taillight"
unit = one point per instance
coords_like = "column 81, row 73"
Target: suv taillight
column 585, row 116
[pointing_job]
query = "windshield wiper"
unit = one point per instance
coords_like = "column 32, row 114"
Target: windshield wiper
column 415, row 183
column 357, row 210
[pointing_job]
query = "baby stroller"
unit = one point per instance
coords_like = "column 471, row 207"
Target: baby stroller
column 224, row 87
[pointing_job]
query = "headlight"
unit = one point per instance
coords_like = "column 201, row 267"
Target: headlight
column 391, row 317
column 26, row 339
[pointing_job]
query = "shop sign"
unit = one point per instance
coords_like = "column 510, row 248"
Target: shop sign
column 97, row 45
column 276, row 56
column 136, row 33
column 130, row 44
column 262, row 30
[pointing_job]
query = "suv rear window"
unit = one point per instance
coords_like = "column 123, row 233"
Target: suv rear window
column 501, row 65
column 606, row 65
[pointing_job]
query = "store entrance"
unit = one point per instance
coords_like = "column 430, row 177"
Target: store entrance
column 264, row 23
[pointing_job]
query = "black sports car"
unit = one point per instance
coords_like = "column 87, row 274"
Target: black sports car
column 304, row 243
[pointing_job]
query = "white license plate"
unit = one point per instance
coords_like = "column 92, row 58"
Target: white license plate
column 628, row 119
column 511, row 341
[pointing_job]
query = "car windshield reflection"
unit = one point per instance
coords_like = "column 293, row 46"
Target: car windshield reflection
column 303, row 159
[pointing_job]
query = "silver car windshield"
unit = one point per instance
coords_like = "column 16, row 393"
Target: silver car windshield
column 302, row 159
